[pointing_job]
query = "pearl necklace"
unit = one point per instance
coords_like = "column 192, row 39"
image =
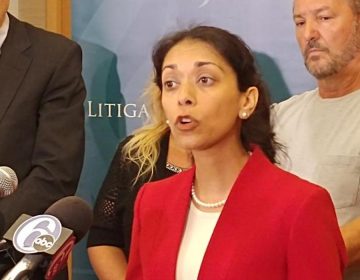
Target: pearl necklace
column 204, row 204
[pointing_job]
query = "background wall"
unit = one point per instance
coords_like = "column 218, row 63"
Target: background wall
column 33, row 11
column 117, row 37
column 14, row 7
column 53, row 15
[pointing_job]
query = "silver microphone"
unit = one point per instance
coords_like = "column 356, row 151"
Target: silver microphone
column 24, row 268
column 8, row 181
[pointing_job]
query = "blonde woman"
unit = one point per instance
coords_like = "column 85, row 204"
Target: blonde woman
column 149, row 154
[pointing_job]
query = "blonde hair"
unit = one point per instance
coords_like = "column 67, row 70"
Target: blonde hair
column 143, row 148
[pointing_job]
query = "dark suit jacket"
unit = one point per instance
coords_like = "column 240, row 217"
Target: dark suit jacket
column 41, row 118
column 273, row 226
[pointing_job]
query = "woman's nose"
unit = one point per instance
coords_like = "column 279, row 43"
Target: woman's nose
column 186, row 95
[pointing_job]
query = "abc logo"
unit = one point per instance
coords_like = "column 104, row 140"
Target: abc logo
column 37, row 234
column 43, row 243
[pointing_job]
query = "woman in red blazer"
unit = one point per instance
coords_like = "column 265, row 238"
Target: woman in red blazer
column 234, row 215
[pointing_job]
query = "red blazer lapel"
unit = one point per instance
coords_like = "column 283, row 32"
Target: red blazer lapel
column 227, row 241
column 171, row 225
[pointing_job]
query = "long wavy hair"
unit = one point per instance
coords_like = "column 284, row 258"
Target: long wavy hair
column 257, row 128
column 143, row 148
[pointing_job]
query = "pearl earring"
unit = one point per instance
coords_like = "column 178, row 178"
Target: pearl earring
column 167, row 122
column 243, row 115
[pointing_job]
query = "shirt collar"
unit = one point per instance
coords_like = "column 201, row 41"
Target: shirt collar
column 4, row 28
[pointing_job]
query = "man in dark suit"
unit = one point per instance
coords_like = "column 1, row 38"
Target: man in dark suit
column 41, row 115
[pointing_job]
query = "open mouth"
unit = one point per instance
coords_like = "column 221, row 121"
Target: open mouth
column 186, row 123
column 185, row 120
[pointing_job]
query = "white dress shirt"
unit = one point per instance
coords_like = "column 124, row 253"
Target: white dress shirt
column 4, row 28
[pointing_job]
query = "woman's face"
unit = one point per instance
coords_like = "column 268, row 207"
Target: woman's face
column 200, row 96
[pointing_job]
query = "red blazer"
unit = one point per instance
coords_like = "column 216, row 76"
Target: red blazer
column 274, row 225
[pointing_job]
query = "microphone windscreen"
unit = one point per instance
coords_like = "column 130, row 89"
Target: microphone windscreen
column 2, row 224
column 8, row 181
column 73, row 213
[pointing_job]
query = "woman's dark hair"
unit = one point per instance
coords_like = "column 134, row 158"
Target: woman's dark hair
column 257, row 128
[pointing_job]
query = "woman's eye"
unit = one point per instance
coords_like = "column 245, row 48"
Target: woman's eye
column 206, row 80
column 169, row 84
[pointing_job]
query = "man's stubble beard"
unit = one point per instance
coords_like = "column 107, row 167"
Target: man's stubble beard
column 334, row 62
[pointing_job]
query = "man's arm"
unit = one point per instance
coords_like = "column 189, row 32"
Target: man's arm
column 351, row 236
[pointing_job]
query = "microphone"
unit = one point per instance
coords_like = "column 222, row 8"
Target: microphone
column 48, row 239
column 8, row 181
column 2, row 224
column 8, row 184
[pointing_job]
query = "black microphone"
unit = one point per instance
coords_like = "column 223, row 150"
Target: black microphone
column 8, row 181
column 47, row 240
column 6, row 256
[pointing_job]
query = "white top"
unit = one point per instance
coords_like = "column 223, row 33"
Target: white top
column 198, row 231
column 4, row 28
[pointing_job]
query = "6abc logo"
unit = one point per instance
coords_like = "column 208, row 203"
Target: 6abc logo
column 37, row 234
